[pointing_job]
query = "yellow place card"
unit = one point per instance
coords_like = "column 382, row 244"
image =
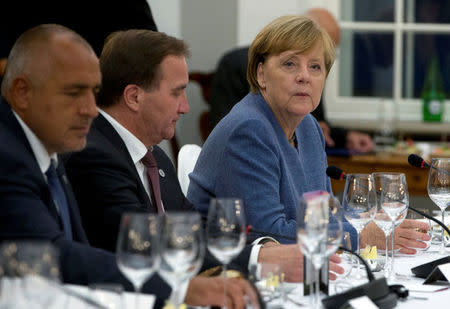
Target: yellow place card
column 369, row 253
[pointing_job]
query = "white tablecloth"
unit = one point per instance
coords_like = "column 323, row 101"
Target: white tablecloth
column 403, row 264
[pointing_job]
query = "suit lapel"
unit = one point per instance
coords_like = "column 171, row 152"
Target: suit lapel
column 7, row 117
column 75, row 218
column 107, row 130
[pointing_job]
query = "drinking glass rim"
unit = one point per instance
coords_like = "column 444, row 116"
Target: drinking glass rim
column 389, row 174
column 441, row 159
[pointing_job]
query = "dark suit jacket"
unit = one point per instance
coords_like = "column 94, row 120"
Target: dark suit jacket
column 93, row 20
column 106, row 185
column 27, row 212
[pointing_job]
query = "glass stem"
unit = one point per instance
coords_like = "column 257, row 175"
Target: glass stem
column 358, row 275
column 386, row 252
column 442, row 251
column 392, row 249
column 224, row 277
column 175, row 295
column 317, row 287
column 137, row 290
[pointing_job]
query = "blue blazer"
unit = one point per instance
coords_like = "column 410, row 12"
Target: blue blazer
column 27, row 212
column 248, row 156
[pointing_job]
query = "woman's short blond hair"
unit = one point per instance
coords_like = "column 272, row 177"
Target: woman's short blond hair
column 291, row 32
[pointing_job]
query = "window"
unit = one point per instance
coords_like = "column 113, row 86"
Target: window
column 385, row 50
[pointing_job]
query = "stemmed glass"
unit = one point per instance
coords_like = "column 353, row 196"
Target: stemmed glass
column 225, row 230
column 319, row 232
column 336, row 235
column 182, row 249
column 36, row 263
column 392, row 192
column 384, row 222
column 360, row 205
column 23, row 258
column 399, row 220
column 137, row 248
column 439, row 188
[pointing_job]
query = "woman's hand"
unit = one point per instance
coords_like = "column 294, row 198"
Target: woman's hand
column 409, row 235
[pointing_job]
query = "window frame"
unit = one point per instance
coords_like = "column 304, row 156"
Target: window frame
column 362, row 112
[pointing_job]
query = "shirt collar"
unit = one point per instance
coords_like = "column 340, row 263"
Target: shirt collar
column 134, row 146
column 40, row 152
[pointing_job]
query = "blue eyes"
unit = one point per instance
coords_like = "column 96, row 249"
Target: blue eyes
column 291, row 64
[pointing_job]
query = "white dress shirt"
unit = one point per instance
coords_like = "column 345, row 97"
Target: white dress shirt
column 135, row 147
column 137, row 151
column 40, row 153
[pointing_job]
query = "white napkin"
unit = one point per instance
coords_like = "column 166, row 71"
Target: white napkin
column 35, row 292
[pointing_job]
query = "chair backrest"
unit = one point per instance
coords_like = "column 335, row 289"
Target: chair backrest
column 205, row 82
column 187, row 157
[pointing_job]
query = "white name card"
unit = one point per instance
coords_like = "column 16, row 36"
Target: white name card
column 362, row 302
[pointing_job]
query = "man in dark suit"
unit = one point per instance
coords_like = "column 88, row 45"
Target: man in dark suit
column 47, row 106
column 144, row 76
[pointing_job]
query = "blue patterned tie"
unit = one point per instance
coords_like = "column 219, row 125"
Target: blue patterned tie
column 59, row 197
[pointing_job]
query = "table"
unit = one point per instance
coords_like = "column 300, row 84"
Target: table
column 402, row 265
column 37, row 292
column 416, row 178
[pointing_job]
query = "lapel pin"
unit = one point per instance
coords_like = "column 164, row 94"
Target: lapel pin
column 161, row 173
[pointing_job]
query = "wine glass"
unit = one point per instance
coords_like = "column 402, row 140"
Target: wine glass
column 225, row 230
column 36, row 262
column 312, row 225
column 392, row 191
column 137, row 248
column 384, row 222
column 360, row 205
column 439, row 188
column 182, row 249
column 36, row 258
column 341, row 284
column 336, row 235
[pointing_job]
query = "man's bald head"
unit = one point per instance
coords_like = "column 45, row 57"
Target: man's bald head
column 31, row 51
column 327, row 21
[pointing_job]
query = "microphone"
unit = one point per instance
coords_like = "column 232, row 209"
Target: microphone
column 335, row 172
column 384, row 296
column 419, row 162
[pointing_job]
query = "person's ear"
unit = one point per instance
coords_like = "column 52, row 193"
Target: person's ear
column 131, row 97
column 260, row 76
column 21, row 93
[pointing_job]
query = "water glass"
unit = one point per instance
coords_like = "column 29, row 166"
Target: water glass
column 137, row 248
column 439, row 188
column 359, row 205
column 271, row 283
column 182, row 250
column 109, row 295
column 313, row 221
column 36, row 262
column 225, row 231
